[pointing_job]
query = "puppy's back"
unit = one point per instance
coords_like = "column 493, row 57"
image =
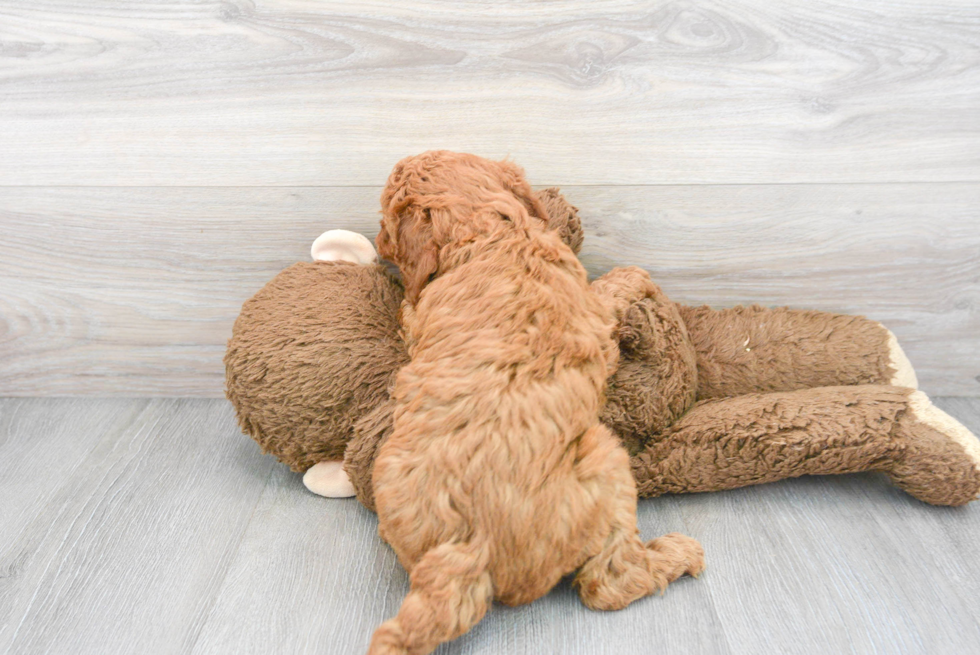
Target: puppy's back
column 509, row 356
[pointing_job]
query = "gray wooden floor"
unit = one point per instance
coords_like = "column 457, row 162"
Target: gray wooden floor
column 154, row 526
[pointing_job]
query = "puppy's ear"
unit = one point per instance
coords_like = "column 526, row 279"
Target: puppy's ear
column 384, row 244
column 407, row 239
column 421, row 254
column 514, row 181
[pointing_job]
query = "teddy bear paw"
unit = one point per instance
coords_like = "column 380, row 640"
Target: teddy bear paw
column 344, row 246
column 940, row 464
column 328, row 479
column 945, row 424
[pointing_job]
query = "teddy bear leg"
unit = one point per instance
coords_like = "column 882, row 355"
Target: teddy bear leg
column 328, row 479
column 941, row 462
column 757, row 349
column 756, row 438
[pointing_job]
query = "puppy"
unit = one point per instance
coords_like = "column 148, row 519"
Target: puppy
column 498, row 478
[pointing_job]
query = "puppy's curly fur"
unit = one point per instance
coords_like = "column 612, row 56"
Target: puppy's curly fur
column 498, row 478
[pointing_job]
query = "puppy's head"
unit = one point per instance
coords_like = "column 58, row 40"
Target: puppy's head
column 442, row 198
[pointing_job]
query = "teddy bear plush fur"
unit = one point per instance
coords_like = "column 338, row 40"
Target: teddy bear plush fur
column 703, row 399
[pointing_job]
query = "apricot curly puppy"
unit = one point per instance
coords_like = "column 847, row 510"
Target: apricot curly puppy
column 498, row 479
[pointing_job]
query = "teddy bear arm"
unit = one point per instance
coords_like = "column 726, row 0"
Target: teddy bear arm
column 370, row 432
column 655, row 382
column 756, row 438
column 755, row 349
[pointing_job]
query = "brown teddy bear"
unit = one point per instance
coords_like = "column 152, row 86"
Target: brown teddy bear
column 703, row 399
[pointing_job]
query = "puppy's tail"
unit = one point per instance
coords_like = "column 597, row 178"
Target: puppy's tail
column 451, row 592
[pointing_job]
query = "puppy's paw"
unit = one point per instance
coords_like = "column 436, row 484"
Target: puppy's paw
column 621, row 287
column 678, row 555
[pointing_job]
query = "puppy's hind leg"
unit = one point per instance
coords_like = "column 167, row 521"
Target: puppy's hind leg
column 625, row 568
column 451, row 591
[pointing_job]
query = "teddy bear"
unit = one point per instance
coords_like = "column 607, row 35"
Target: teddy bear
column 702, row 399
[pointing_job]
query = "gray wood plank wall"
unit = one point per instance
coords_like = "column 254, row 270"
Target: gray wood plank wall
column 308, row 93
column 159, row 162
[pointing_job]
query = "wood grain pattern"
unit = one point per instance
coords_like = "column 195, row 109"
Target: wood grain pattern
column 338, row 592
column 43, row 445
column 133, row 291
column 296, row 92
column 125, row 549
column 161, row 529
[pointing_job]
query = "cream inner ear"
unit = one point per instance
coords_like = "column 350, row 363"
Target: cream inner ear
column 344, row 246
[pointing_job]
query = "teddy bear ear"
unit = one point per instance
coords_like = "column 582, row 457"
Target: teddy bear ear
column 562, row 217
column 344, row 246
